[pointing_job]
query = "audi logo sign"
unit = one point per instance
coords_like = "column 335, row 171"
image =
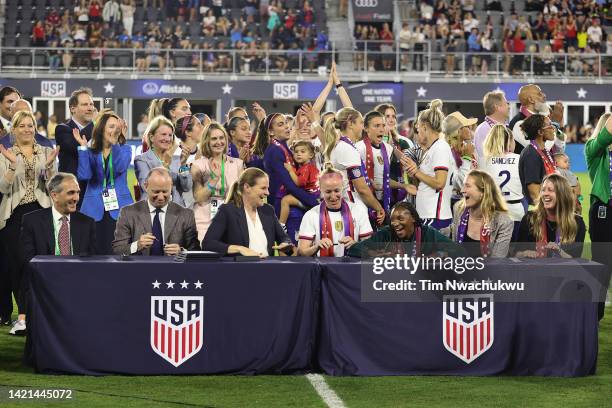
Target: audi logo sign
column 366, row 3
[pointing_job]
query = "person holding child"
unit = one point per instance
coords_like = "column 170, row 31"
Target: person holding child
column 305, row 176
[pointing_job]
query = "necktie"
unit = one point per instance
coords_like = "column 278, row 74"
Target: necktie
column 63, row 237
column 158, row 246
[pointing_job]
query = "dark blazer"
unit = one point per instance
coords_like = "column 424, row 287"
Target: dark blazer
column 38, row 235
column 135, row 220
column 91, row 170
column 229, row 227
column 68, row 156
column 9, row 140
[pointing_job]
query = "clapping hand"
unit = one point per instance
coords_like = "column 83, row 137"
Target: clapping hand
column 172, row 249
column 326, row 243
column 184, row 154
column 52, row 156
column 80, row 139
column 10, row 156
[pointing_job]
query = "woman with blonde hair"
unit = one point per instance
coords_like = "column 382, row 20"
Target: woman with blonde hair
column 435, row 171
column 552, row 225
column 212, row 175
column 340, row 150
column 160, row 134
column 460, row 137
column 481, row 217
column 502, row 164
column 24, row 169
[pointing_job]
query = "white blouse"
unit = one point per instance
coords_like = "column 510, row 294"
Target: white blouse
column 258, row 241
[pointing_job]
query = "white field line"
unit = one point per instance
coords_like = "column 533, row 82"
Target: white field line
column 329, row 396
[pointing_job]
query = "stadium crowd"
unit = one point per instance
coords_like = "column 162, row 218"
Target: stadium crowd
column 552, row 30
column 339, row 182
column 196, row 26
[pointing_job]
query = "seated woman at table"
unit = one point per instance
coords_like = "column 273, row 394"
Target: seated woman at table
column 245, row 224
column 333, row 226
column 552, row 225
column 481, row 217
column 406, row 231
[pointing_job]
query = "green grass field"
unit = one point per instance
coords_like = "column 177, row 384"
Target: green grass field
column 296, row 391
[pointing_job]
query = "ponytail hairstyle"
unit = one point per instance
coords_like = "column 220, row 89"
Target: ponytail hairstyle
column 451, row 127
column 184, row 125
column 433, row 115
column 250, row 177
column 163, row 106
column 340, row 122
column 498, row 141
column 262, row 138
column 324, row 119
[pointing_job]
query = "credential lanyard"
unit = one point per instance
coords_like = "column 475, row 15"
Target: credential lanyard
column 110, row 169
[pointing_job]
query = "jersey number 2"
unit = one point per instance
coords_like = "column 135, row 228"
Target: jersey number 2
column 506, row 174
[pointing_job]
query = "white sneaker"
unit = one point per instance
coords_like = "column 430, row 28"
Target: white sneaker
column 19, row 328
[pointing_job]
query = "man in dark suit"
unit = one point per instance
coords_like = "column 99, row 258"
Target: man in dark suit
column 9, row 140
column 8, row 95
column 82, row 110
column 60, row 230
column 155, row 226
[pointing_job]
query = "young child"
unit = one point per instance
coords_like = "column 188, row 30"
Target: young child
column 306, row 177
column 563, row 166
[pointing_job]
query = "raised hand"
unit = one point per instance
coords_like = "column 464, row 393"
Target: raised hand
column 258, row 111
column 184, row 154
column 310, row 113
column 52, row 156
column 10, row 156
column 77, row 136
column 556, row 115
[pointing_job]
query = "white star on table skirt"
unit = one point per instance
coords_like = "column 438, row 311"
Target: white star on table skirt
column 421, row 91
column 198, row 284
column 227, row 89
column 170, row 284
column 581, row 93
column 184, row 284
column 108, row 88
column 156, row 284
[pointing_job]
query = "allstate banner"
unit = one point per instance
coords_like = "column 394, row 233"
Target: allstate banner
column 157, row 316
column 373, row 10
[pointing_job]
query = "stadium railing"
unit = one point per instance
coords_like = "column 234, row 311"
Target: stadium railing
column 366, row 61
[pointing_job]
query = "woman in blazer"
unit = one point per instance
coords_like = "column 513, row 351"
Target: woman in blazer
column 161, row 139
column 24, row 170
column 213, row 174
column 481, row 217
column 245, row 225
column 104, row 166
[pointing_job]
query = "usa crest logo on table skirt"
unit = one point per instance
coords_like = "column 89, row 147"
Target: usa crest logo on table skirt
column 467, row 325
column 177, row 327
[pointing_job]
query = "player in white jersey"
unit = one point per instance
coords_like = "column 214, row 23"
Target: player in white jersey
column 502, row 164
column 377, row 157
column 341, row 224
column 344, row 157
column 435, row 172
